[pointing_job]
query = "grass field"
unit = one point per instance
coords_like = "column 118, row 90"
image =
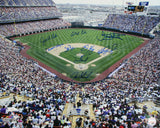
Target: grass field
column 118, row 44
column 87, row 55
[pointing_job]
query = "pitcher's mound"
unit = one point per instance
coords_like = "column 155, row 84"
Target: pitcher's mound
column 79, row 54
column 81, row 66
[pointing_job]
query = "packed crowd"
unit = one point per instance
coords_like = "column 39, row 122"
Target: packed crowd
column 12, row 14
column 27, row 27
column 29, row 14
column 112, row 107
column 27, row 3
column 21, row 76
column 46, row 96
column 142, row 67
column 49, row 95
column 140, row 24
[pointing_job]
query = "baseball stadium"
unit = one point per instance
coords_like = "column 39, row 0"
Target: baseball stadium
column 79, row 65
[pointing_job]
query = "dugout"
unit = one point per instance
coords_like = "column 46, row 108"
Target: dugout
column 77, row 24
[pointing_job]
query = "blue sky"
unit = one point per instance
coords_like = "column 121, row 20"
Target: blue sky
column 105, row 2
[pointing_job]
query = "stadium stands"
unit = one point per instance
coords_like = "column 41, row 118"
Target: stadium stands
column 131, row 23
column 27, row 27
column 145, row 73
column 19, row 14
column 19, row 17
column 44, row 97
column 18, row 11
column 27, row 3
column 49, row 95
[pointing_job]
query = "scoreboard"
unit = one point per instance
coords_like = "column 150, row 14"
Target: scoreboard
column 146, row 3
column 135, row 8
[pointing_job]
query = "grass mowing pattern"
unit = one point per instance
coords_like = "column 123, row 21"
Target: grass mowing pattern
column 85, row 58
column 120, row 44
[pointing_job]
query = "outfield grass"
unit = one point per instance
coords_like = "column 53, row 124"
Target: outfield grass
column 120, row 44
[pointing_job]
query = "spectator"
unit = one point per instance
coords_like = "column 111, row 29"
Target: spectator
column 3, row 110
column 57, row 122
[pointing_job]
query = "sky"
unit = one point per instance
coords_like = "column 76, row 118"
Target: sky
column 105, row 2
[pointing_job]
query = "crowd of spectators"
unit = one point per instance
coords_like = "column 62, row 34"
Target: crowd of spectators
column 142, row 67
column 24, row 17
column 123, row 22
column 27, row 27
column 48, row 95
column 26, row 3
column 110, row 97
column 20, row 76
column 12, row 14
column 112, row 108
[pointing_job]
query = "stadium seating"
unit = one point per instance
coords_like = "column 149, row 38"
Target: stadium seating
column 19, row 17
column 133, row 23
column 144, row 73
column 17, row 14
column 27, row 10
column 27, row 3
column 27, row 27
column 44, row 97
column 49, row 95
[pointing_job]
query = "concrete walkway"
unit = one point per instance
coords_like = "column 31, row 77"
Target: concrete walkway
column 71, row 112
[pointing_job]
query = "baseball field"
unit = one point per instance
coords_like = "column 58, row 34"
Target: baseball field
column 80, row 54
